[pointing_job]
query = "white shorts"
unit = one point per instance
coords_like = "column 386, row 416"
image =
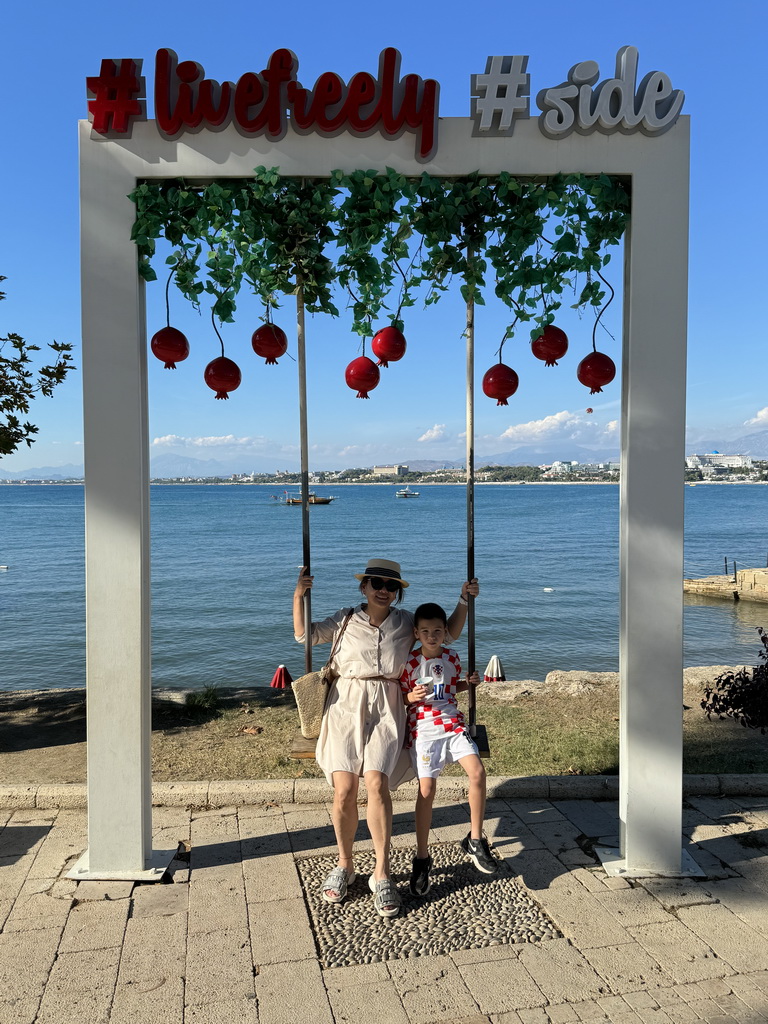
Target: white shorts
column 432, row 753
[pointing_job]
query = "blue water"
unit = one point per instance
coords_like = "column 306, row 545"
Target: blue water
column 225, row 560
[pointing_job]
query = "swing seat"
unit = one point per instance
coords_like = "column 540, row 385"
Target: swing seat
column 302, row 748
column 481, row 739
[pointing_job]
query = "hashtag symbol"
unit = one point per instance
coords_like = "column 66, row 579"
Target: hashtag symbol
column 117, row 93
column 501, row 94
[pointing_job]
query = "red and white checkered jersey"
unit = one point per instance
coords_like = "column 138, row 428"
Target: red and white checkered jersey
column 439, row 714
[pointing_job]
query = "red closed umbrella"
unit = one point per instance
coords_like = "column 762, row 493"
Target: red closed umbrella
column 281, row 679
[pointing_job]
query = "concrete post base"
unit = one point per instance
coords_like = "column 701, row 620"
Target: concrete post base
column 614, row 864
column 159, row 861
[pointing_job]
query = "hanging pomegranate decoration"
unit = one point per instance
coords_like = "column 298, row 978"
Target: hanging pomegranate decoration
column 389, row 345
column 595, row 370
column 169, row 345
column 222, row 376
column 500, row 382
column 269, row 341
column 362, row 375
column 551, row 345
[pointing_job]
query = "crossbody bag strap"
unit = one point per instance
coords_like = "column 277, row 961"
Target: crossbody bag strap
column 339, row 635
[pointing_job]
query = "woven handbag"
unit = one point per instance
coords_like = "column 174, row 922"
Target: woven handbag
column 311, row 691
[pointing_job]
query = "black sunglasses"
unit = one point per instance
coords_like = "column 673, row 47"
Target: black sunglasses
column 381, row 584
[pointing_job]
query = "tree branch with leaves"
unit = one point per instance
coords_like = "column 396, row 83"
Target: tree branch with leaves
column 20, row 382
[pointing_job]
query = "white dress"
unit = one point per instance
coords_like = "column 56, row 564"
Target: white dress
column 364, row 722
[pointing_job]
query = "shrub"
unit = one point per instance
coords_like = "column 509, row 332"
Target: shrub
column 742, row 695
column 202, row 701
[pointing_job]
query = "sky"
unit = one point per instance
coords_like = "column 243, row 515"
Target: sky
column 417, row 412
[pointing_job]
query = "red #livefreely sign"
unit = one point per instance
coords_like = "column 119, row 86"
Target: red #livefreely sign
column 262, row 103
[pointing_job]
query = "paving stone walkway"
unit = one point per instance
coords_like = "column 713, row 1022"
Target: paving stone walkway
column 230, row 940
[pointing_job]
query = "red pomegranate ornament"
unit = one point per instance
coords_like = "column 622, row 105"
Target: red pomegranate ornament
column 269, row 341
column 500, row 382
column 551, row 345
column 389, row 345
column 169, row 345
column 362, row 375
column 595, row 370
column 222, row 375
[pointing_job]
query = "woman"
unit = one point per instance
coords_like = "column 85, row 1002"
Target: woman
column 364, row 721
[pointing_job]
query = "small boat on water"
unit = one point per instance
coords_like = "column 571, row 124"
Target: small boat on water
column 406, row 492
column 313, row 499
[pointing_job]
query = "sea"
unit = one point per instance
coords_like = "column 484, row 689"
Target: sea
column 225, row 560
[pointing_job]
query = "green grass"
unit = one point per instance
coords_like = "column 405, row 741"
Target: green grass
column 544, row 734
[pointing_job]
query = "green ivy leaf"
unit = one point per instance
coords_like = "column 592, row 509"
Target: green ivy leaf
column 393, row 236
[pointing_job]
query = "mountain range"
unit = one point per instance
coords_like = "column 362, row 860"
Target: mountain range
column 171, row 466
column 755, row 444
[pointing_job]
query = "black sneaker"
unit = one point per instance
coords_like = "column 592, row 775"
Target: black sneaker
column 480, row 854
column 420, row 880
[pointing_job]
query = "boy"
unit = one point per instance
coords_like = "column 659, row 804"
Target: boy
column 438, row 736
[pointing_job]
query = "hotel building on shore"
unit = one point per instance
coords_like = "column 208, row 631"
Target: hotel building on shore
column 713, row 462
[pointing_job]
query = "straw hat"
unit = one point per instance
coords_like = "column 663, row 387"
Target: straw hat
column 384, row 568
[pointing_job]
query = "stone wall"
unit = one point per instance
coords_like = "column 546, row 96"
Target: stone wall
column 749, row 585
column 752, row 584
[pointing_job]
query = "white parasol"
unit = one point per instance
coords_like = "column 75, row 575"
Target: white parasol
column 494, row 671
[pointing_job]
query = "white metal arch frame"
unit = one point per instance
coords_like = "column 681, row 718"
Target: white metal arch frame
column 117, row 458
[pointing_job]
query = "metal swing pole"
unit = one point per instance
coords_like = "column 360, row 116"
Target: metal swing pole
column 470, row 332
column 303, row 436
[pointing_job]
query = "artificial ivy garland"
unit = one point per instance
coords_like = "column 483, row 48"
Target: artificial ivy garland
column 535, row 238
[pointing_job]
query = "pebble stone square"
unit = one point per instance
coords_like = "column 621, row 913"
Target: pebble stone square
column 463, row 909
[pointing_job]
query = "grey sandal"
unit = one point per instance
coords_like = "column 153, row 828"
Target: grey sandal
column 386, row 898
column 337, row 881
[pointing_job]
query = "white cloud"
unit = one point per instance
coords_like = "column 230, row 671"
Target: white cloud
column 559, row 424
column 434, row 433
column 224, row 441
column 356, row 449
column 759, row 419
column 564, row 425
column 372, row 454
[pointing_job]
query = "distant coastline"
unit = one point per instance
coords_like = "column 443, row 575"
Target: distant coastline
column 214, row 482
